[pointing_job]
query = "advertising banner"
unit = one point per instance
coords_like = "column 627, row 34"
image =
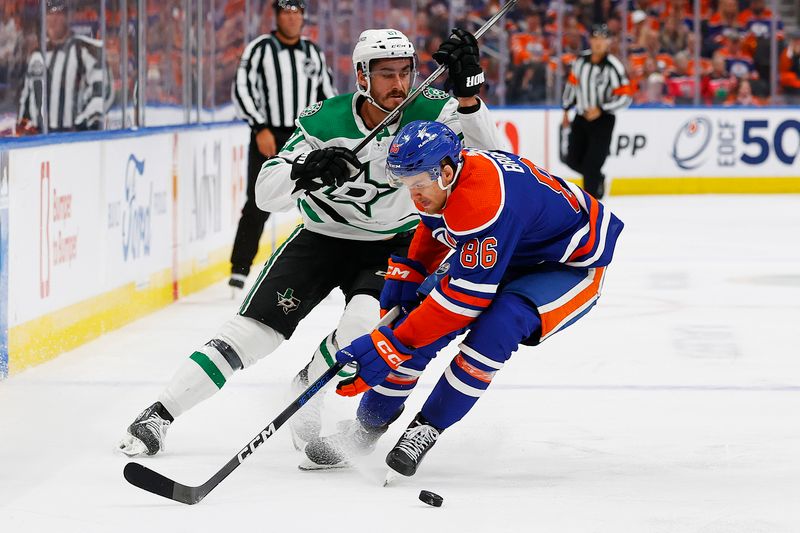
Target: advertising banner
column 56, row 246
column 680, row 150
column 212, row 171
column 138, row 209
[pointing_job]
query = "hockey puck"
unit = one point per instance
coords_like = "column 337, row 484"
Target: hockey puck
column 431, row 498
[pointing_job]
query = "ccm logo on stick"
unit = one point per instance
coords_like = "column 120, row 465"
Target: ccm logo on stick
column 256, row 442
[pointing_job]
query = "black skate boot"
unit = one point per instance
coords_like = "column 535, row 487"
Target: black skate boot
column 306, row 424
column 354, row 439
column 147, row 433
column 406, row 455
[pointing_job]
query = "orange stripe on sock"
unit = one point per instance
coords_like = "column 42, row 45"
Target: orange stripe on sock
column 475, row 372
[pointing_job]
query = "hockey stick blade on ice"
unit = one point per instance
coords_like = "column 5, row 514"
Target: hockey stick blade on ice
column 151, row 481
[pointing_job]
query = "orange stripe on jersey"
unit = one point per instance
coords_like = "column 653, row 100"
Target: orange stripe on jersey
column 551, row 319
column 571, row 79
column 477, row 373
column 623, row 90
column 428, row 323
column 594, row 210
column 461, row 297
column 477, row 197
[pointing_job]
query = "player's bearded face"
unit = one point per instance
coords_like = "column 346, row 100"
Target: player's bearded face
column 390, row 81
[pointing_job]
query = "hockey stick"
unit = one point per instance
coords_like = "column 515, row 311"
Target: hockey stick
column 425, row 84
column 152, row 481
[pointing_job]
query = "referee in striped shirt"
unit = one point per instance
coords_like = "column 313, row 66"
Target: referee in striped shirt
column 279, row 75
column 74, row 74
column 597, row 88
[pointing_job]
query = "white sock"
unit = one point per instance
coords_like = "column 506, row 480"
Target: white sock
column 207, row 370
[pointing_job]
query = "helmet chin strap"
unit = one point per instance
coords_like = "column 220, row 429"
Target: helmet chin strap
column 449, row 186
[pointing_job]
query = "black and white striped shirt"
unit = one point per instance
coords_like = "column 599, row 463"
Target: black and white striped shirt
column 75, row 86
column 275, row 82
column 603, row 85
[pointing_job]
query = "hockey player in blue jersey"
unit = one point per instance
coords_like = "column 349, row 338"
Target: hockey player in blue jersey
column 529, row 253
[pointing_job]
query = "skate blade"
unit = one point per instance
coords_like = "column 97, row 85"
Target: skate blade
column 311, row 466
column 131, row 446
column 391, row 475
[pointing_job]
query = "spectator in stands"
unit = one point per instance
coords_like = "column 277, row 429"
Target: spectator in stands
column 651, row 91
column 673, row 34
column 757, row 20
column 718, row 84
column 737, row 61
column 743, row 95
column 680, row 82
column 789, row 67
column 725, row 18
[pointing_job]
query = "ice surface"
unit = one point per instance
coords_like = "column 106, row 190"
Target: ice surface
column 672, row 407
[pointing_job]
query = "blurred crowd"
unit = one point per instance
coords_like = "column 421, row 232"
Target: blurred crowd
column 192, row 54
column 667, row 64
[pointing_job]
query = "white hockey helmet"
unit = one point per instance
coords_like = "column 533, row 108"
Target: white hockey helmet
column 385, row 43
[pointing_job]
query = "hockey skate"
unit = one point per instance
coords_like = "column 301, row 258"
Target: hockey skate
column 338, row 450
column 147, row 433
column 306, row 424
column 407, row 454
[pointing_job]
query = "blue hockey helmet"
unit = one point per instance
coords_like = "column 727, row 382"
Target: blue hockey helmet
column 420, row 147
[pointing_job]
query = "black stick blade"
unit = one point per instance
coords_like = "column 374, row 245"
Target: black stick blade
column 151, row 481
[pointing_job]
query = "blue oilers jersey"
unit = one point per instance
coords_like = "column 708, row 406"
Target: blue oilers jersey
column 503, row 218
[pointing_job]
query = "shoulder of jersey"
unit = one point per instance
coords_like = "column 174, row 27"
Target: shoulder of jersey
column 330, row 119
column 427, row 106
column 478, row 197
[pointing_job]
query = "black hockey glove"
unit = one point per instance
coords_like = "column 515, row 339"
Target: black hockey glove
column 324, row 168
column 460, row 53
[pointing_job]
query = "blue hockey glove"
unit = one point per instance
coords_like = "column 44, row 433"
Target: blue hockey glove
column 377, row 354
column 403, row 278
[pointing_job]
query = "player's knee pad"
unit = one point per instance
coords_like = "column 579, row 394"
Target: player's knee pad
column 249, row 339
column 359, row 318
column 499, row 330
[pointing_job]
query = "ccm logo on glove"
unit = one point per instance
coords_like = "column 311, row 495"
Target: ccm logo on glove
column 387, row 351
column 397, row 272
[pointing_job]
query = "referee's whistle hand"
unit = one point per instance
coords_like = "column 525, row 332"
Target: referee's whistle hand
column 266, row 143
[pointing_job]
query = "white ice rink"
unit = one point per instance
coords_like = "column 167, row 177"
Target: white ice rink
column 674, row 406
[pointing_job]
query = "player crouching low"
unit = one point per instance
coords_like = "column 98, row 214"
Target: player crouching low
column 530, row 253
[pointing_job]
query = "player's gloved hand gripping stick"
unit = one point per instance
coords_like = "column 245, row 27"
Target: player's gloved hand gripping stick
column 152, row 481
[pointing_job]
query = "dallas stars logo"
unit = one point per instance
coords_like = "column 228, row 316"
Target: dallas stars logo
column 361, row 194
column 287, row 301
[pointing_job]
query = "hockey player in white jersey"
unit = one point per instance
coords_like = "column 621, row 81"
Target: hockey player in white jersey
column 353, row 220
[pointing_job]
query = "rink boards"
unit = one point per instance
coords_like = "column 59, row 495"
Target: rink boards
column 97, row 234
column 677, row 150
column 99, row 229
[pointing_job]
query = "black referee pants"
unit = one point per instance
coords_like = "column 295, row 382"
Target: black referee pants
column 589, row 144
column 251, row 225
